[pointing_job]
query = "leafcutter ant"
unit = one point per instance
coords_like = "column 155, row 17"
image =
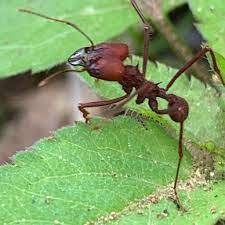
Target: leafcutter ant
column 105, row 61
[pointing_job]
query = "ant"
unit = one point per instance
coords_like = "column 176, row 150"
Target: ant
column 105, row 61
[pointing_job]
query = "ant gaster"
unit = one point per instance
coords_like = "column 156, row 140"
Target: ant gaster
column 105, row 61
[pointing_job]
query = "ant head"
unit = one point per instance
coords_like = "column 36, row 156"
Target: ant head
column 80, row 57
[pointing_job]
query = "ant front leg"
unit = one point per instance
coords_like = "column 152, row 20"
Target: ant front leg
column 197, row 57
column 85, row 113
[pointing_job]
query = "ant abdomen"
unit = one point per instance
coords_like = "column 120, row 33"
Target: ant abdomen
column 177, row 108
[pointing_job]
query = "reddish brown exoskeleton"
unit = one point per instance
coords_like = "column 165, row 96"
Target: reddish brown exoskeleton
column 105, row 61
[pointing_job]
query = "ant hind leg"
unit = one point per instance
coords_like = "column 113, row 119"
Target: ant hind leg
column 197, row 57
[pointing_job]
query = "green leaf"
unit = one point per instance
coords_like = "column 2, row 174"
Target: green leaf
column 30, row 42
column 84, row 172
column 205, row 207
column 207, row 110
column 210, row 17
column 221, row 62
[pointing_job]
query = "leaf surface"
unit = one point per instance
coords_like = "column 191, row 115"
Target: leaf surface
column 205, row 207
column 84, row 172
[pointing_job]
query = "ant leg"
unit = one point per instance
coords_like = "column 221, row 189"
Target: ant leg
column 85, row 113
column 180, row 153
column 198, row 56
column 147, row 32
column 130, row 96
column 154, row 106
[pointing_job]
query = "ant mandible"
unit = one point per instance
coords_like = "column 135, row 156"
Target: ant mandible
column 105, row 61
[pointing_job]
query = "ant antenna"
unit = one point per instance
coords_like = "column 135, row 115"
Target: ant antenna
column 58, row 20
column 46, row 80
